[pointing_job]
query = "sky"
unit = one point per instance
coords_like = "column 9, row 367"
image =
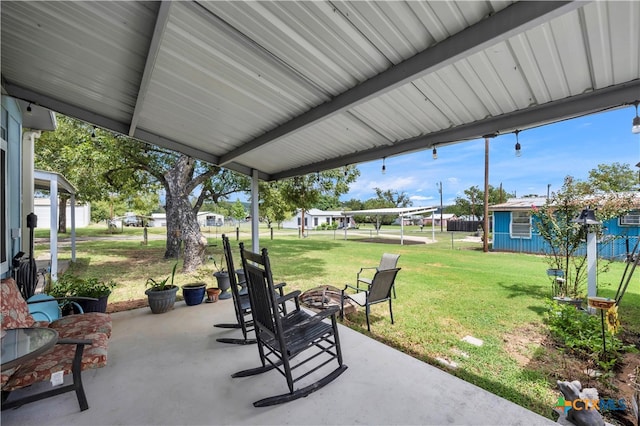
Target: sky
column 549, row 153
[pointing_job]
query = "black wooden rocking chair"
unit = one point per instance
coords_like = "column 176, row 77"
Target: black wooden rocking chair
column 281, row 338
column 241, row 303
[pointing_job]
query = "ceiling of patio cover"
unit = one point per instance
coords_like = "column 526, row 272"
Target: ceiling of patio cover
column 293, row 87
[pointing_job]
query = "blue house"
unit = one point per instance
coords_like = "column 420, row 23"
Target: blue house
column 514, row 230
column 22, row 124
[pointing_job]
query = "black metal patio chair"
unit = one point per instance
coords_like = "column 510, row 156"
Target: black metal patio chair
column 377, row 292
column 297, row 341
column 387, row 261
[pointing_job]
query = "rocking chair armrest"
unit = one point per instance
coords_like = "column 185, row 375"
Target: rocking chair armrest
column 293, row 295
column 325, row 313
column 280, row 287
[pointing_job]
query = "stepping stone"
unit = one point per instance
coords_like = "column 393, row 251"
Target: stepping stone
column 458, row 352
column 472, row 340
column 447, row 363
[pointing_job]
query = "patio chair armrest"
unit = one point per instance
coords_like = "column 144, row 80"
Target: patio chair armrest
column 70, row 341
column 351, row 287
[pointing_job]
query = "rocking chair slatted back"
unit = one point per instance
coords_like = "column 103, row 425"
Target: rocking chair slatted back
column 283, row 337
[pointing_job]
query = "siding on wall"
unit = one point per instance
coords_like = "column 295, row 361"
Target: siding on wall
column 609, row 247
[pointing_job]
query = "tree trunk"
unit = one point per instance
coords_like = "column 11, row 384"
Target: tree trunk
column 302, row 221
column 182, row 221
column 62, row 215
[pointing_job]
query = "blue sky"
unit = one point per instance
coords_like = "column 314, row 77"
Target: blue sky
column 549, row 153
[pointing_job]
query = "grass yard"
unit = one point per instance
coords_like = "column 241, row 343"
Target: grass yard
column 445, row 291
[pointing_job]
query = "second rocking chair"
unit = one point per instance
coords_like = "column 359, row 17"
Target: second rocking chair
column 281, row 338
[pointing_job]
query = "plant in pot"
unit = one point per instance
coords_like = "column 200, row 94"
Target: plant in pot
column 90, row 293
column 193, row 293
column 162, row 294
column 222, row 277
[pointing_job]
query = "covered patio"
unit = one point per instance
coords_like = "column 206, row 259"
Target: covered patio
column 168, row 369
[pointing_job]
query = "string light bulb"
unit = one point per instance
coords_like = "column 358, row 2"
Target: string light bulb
column 435, row 153
column 518, row 147
column 29, row 108
column 384, row 167
column 635, row 129
column 93, row 132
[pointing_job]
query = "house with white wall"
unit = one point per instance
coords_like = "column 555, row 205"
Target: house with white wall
column 314, row 218
column 42, row 209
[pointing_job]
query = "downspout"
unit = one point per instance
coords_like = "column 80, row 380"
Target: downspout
column 28, row 147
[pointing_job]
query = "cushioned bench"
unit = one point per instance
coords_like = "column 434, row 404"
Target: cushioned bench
column 83, row 343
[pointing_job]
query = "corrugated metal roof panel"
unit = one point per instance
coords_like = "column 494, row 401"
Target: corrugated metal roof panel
column 230, row 74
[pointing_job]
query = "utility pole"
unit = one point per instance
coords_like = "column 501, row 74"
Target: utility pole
column 440, row 191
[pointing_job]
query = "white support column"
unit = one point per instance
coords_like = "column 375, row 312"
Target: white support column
column 53, row 228
column 592, row 260
column 401, row 229
column 255, row 219
column 28, row 143
column 73, row 227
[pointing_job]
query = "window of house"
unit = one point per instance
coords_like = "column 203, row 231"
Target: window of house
column 520, row 224
column 631, row 219
column 315, row 221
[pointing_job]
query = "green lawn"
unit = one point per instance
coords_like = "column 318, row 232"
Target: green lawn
column 444, row 294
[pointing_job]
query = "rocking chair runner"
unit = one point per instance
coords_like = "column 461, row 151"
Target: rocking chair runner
column 241, row 303
column 281, row 338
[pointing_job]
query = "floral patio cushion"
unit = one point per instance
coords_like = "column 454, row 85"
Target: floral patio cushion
column 59, row 358
column 77, row 326
column 14, row 309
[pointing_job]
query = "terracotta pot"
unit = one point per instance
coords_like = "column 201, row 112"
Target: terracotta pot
column 212, row 294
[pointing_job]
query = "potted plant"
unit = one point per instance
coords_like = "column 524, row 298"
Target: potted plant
column 222, row 277
column 162, row 294
column 97, row 292
column 193, row 293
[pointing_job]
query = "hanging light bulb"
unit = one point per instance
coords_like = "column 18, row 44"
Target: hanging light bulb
column 435, row 153
column 29, row 108
column 636, row 121
column 384, row 167
column 93, row 132
column 518, row 150
column 346, row 170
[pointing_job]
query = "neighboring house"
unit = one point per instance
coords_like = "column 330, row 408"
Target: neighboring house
column 436, row 218
column 210, row 219
column 315, row 217
column 42, row 209
column 514, row 230
column 158, row 220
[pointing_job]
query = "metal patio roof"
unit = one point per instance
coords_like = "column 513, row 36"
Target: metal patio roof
column 293, row 87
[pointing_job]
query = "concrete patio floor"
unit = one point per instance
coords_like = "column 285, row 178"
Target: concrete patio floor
column 168, row 369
